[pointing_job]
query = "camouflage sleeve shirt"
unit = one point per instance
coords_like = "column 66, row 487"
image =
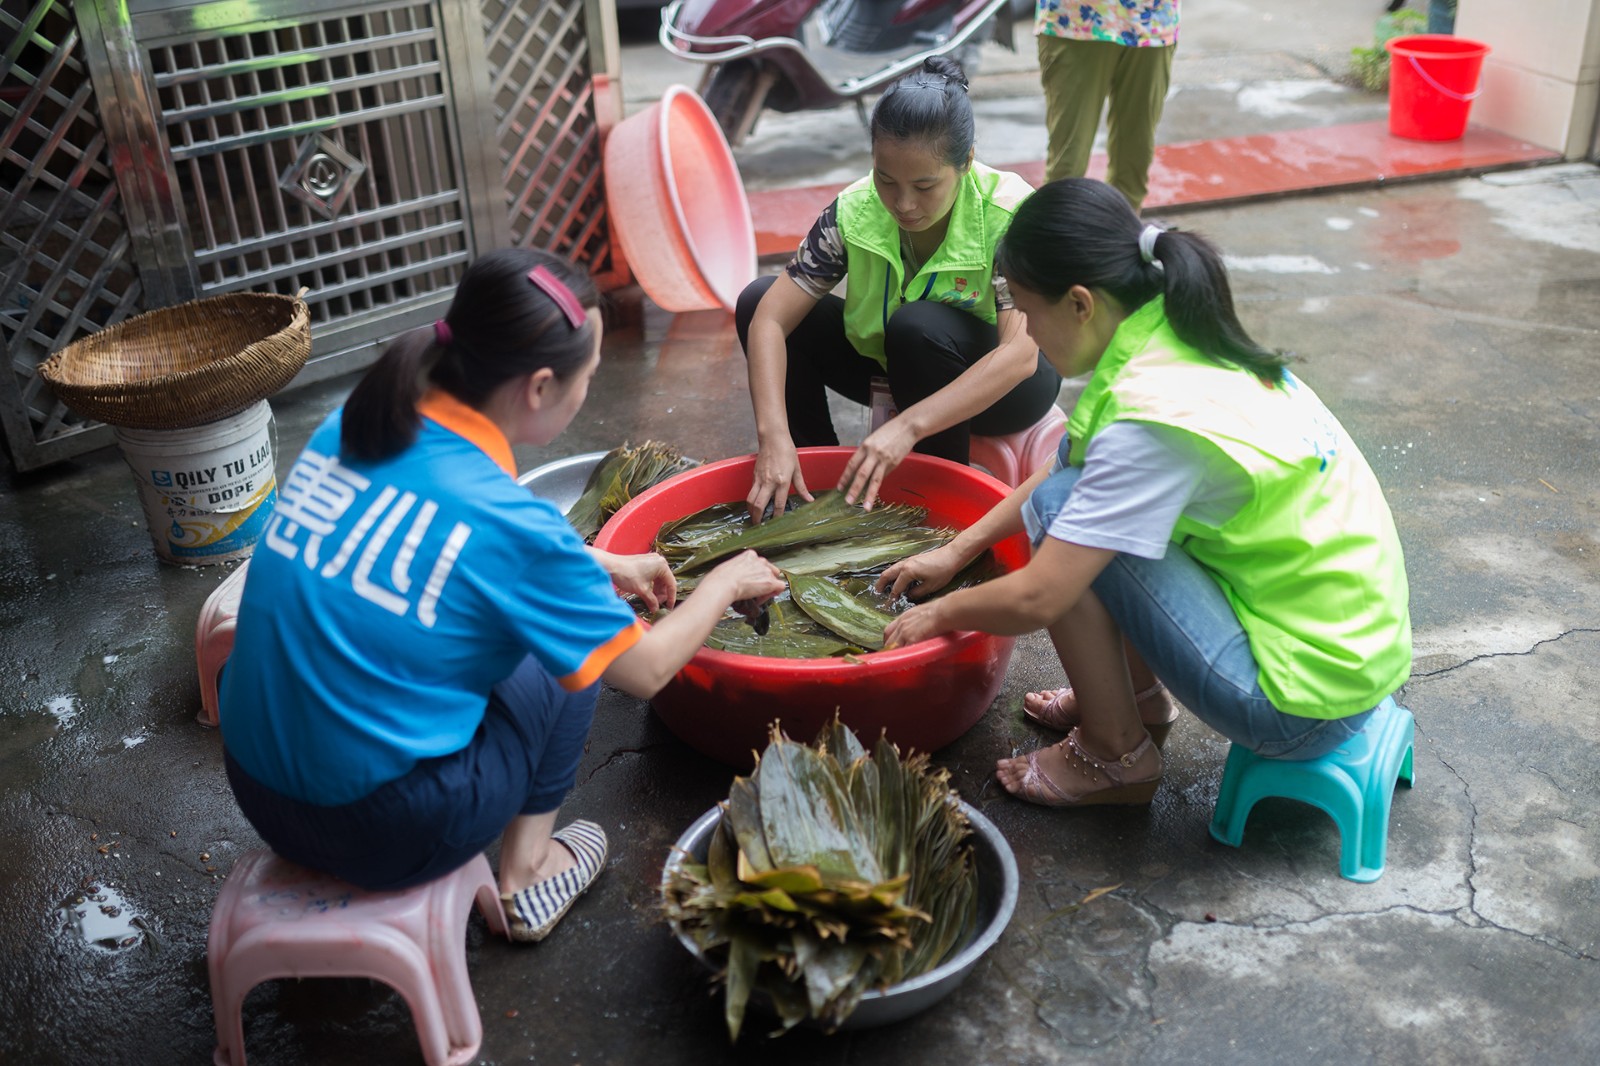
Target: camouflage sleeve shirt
column 820, row 262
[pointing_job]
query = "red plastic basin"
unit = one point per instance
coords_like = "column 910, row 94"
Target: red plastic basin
column 923, row 696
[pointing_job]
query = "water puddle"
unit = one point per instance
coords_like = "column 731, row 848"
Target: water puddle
column 104, row 919
column 63, row 708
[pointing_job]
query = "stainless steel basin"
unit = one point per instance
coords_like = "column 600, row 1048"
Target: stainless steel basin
column 997, row 900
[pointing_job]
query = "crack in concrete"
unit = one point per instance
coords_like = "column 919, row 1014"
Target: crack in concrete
column 1472, row 888
column 1472, row 839
column 1453, row 914
column 611, row 758
column 1502, row 654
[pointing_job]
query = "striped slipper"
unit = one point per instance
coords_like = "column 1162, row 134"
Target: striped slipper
column 533, row 911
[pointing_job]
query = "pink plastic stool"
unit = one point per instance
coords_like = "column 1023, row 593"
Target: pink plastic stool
column 1014, row 457
column 276, row 919
column 213, row 639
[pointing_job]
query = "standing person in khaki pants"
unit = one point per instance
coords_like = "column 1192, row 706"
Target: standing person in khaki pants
column 1091, row 49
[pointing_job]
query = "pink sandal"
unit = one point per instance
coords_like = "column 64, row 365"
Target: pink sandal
column 1156, row 711
column 1108, row 782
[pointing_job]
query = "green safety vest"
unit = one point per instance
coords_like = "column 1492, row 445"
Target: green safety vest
column 959, row 273
column 1312, row 564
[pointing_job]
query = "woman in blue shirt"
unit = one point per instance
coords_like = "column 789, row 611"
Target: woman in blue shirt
column 420, row 639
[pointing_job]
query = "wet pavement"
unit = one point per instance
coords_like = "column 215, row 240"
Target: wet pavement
column 1451, row 325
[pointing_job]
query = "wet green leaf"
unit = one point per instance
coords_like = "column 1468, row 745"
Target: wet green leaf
column 830, row 605
column 621, row 475
column 826, row 518
column 814, row 936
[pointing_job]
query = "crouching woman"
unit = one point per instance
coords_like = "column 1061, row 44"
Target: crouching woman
column 1208, row 529
column 420, row 640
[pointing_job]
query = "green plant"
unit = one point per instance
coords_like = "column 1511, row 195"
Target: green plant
column 1370, row 66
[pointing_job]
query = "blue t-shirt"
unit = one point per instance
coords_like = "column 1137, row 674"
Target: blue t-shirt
column 385, row 599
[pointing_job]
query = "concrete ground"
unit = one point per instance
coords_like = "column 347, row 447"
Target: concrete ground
column 1452, row 326
column 1242, row 67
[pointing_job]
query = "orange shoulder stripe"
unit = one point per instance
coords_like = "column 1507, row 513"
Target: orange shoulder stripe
column 443, row 408
column 602, row 657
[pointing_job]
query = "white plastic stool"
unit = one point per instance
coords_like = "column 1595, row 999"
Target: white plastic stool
column 276, row 919
column 1014, row 457
column 213, row 639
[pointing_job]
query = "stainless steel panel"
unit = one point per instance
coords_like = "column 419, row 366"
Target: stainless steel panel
column 67, row 266
column 363, row 151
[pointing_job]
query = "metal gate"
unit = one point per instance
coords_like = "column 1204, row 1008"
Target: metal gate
column 362, row 152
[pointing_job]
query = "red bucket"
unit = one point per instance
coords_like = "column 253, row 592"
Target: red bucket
column 1433, row 79
column 923, row 696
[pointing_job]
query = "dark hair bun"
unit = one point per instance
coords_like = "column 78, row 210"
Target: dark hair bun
column 946, row 67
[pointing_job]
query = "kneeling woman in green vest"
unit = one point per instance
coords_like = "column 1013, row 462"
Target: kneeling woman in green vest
column 1209, row 528
column 923, row 308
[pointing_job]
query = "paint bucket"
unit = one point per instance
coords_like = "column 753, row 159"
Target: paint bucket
column 208, row 490
column 1433, row 79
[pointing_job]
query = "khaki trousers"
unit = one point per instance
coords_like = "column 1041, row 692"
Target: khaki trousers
column 1077, row 76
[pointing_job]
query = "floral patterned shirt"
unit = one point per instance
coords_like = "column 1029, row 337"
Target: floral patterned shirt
column 1135, row 23
column 819, row 264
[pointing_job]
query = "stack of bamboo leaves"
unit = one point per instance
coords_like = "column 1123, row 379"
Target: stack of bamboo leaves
column 620, row 476
column 830, row 552
column 831, row 873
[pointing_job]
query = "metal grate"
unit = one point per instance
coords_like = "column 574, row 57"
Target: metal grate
column 543, row 98
column 66, row 268
column 319, row 156
column 363, row 154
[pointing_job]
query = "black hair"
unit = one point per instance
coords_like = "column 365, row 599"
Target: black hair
column 929, row 106
column 500, row 326
column 1078, row 231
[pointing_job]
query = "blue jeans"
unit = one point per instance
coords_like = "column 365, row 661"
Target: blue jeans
column 1174, row 614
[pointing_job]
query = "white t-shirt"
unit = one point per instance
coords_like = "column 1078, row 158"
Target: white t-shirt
column 1138, row 478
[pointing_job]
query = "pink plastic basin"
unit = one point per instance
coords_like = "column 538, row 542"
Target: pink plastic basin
column 678, row 206
column 923, row 696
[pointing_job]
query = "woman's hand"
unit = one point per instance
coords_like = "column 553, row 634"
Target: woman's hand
column 746, row 576
column 880, row 453
column 921, row 622
column 645, row 576
column 777, row 474
column 922, row 574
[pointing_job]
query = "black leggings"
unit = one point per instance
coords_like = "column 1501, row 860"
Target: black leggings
column 928, row 345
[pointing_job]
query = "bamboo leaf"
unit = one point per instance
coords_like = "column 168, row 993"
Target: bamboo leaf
column 744, row 953
column 814, row 936
column 826, row 518
column 620, row 475
column 831, row 606
column 860, row 555
column 744, row 814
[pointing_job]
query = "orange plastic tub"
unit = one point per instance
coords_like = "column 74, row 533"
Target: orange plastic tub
column 678, row 206
column 923, row 696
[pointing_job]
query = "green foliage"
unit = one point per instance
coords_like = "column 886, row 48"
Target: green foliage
column 619, row 477
column 832, row 872
column 1370, row 66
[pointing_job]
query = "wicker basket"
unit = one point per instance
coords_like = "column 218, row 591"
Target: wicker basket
column 187, row 365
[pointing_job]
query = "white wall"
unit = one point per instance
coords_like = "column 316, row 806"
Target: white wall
column 1541, row 82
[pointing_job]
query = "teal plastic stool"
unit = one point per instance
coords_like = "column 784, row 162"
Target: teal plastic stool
column 1354, row 783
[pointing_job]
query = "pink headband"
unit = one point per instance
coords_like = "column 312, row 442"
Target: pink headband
column 441, row 332
column 552, row 287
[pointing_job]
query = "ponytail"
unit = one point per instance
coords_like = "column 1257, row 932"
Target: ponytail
column 1077, row 231
column 502, row 324
column 380, row 417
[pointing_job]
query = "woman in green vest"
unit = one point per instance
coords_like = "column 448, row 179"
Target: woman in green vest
column 1208, row 528
column 923, row 310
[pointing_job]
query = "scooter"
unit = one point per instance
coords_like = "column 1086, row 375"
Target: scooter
column 801, row 55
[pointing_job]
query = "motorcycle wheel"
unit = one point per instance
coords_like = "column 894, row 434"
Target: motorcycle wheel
column 735, row 96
